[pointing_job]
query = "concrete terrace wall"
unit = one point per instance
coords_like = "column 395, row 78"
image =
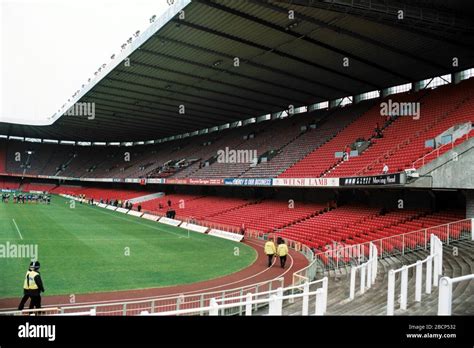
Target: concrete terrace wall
column 447, row 172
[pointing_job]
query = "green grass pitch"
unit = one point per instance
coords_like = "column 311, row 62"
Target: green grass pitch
column 89, row 249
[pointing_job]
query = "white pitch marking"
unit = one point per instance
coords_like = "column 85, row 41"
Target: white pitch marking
column 17, row 229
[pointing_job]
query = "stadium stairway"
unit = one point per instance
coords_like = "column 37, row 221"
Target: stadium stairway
column 374, row 300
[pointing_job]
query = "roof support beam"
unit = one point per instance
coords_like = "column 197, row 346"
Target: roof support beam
column 352, row 34
column 198, row 88
column 230, row 72
column 304, row 38
column 284, row 73
column 120, row 81
column 204, row 79
column 276, row 52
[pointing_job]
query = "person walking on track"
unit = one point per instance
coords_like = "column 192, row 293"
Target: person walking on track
column 270, row 250
column 32, row 287
column 282, row 252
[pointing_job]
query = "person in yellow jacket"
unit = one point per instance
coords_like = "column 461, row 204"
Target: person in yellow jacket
column 282, row 252
column 32, row 287
column 270, row 250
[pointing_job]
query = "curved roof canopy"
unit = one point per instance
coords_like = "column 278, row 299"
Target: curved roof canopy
column 231, row 60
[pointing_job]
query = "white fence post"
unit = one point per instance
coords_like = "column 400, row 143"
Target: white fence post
column 324, row 301
column 435, row 265
column 274, row 308
column 375, row 265
column 319, row 302
column 248, row 304
column 369, row 269
column 214, row 307
column 404, row 288
column 440, row 251
column 352, row 284
column 362, row 279
column 391, row 292
column 305, row 310
column 429, row 273
column 280, row 298
column 431, row 245
column 419, row 273
column 445, row 296
column 472, row 229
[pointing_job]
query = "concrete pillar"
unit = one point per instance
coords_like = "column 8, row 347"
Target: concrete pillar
column 417, row 86
column 470, row 204
column 456, row 77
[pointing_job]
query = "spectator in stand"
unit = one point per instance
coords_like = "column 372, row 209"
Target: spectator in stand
column 169, row 203
column 385, row 169
column 377, row 131
column 139, row 208
column 270, row 250
column 282, row 251
column 347, row 152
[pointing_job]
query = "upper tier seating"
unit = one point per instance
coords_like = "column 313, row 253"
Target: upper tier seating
column 404, row 140
column 323, row 159
column 296, row 152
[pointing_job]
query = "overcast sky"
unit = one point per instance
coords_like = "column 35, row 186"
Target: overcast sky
column 49, row 48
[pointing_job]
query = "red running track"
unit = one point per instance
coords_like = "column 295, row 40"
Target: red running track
column 255, row 273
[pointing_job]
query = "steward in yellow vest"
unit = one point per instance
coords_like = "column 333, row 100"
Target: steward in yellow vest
column 270, row 250
column 282, row 251
column 32, row 287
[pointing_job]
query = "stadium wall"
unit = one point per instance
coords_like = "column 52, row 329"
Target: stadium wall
column 452, row 170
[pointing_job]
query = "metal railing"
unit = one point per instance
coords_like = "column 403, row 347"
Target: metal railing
column 400, row 244
column 434, row 267
column 445, row 296
column 420, row 162
column 33, row 312
column 367, row 270
column 274, row 300
column 156, row 304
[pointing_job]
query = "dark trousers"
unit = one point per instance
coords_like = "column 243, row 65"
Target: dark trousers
column 34, row 303
column 270, row 259
column 282, row 261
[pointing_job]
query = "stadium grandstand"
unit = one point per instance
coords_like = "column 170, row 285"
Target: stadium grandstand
column 343, row 128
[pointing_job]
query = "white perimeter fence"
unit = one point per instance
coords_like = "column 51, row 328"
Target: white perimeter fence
column 357, row 254
column 274, row 300
column 434, row 268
